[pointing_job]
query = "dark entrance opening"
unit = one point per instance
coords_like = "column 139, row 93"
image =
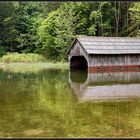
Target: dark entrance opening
column 78, row 63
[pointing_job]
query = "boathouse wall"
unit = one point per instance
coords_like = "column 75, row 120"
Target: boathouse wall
column 114, row 60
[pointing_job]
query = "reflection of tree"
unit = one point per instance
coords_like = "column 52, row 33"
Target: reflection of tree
column 43, row 101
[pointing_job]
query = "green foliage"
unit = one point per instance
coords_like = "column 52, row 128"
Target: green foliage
column 7, row 32
column 82, row 12
column 92, row 30
column 16, row 57
column 47, row 35
column 27, row 26
column 135, row 20
column 57, row 31
column 64, row 29
column 49, row 28
column 2, row 51
column 135, row 12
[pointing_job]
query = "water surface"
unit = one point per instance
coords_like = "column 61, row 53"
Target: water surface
column 56, row 103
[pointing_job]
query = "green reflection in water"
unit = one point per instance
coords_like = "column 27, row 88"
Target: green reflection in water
column 43, row 105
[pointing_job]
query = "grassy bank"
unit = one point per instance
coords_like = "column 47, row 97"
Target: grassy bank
column 28, row 62
column 23, row 67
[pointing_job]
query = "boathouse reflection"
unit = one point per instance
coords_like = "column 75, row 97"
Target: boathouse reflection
column 104, row 86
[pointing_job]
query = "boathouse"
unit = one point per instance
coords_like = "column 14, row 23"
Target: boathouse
column 99, row 53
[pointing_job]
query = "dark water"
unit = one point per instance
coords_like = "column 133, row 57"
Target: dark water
column 61, row 104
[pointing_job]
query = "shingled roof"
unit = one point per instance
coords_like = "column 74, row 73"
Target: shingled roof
column 109, row 45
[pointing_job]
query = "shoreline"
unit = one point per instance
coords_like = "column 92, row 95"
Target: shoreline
column 23, row 67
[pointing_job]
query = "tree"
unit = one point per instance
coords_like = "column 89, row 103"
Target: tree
column 49, row 27
column 64, row 29
column 27, row 25
column 57, row 31
column 7, row 32
column 135, row 20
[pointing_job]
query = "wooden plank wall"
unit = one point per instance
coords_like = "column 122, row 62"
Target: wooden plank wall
column 114, row 60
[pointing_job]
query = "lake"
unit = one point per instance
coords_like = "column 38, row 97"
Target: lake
column 60, row 103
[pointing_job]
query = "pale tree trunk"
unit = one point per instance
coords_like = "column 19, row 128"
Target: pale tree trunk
column 110, row 32
column 100, row 9
column 127, row 17
column 11, row 47
column 117, row 16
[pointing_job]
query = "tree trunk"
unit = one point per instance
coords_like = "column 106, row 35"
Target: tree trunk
column 11, row 47
column 127, row 17
column 117, row 17
column 101, row 22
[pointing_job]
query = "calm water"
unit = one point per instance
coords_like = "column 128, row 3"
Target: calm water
column 57, row 103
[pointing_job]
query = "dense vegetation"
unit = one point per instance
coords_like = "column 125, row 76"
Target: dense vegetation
column 48, row 28
column 17, row 57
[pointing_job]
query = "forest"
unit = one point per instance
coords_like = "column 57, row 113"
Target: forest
column 48, row 28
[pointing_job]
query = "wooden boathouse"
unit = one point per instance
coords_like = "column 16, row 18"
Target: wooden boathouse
column 104, row 53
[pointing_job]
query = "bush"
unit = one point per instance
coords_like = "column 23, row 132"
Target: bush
column 24, row 57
